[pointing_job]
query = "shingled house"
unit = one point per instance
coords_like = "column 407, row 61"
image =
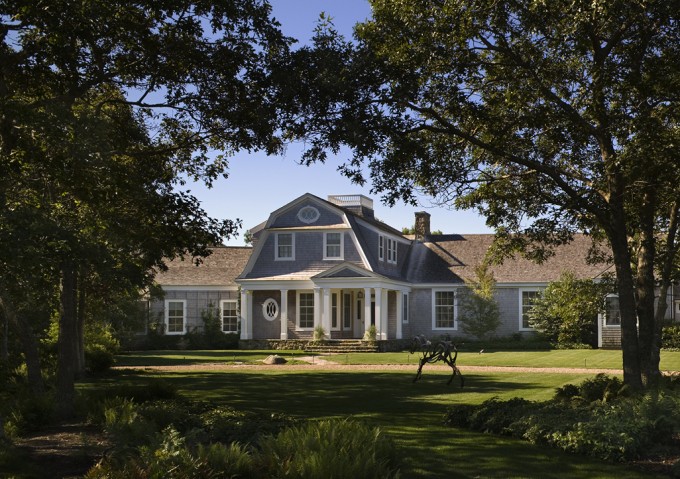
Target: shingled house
column 332, row 264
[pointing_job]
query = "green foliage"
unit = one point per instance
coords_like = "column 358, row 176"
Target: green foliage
column 479, row 314
column 186, row 440
column 566, row 313
column 319, row 334
column 595, row 418
column 670, row 337
column 331, row 448
column 370, row 334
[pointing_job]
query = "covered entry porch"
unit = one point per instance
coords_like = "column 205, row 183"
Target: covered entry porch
column 345, row 302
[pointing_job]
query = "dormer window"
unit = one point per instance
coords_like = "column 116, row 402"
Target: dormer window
column 333, row 246
column 285, row 246
column 391, row 251
column 387, row 247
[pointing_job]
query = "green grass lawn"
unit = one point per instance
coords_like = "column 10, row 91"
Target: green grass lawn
column 411, row 412
column 579, row 358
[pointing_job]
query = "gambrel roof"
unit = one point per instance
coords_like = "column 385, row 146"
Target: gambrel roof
column 436, row 259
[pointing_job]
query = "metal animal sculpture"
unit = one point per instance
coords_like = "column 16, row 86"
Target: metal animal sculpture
column 431, row 353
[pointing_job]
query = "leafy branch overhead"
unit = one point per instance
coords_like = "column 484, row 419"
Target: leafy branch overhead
column 548, row 118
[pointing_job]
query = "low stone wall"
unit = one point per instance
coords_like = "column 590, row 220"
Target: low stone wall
column 300, row 344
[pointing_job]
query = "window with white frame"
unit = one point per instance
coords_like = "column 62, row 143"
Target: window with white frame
column 285, row 246
column 333, row 244
column 444, row 309
column 527, row 299
column 404, row 308
column 347, row 310
column 175, row 316
column 612, row 311
column 381, row 248
column 229, row 312
column 391, row 251
column 305, row 310
column 335, row 316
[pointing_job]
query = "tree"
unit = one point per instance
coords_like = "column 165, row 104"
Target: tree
column 105, row 107
column 566, row 313
column 479, row 314
column 547, row 117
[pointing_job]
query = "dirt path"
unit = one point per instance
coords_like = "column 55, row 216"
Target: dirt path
column 316, row 362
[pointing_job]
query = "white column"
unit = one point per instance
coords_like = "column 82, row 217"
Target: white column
column 400, row 311
column 367, row 308
column 326, row 316
column 317, row 307
column 284, row 314
column 246, row 315
column 380, row 313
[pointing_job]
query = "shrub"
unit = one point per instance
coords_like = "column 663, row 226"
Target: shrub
column 319, row 334
column 593, row 418
column 225, row 424
column 670, row 337
column 98, row 359
column 371, row 333
column 331, row 448
column 479, row 314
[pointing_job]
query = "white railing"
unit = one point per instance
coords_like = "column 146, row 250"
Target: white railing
column 351, row 200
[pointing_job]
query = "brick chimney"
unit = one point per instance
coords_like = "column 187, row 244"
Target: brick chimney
column 422, row 225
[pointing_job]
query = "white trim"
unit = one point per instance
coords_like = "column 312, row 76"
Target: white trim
column 167, row 316
column 341, row 257
column 222, row 302
column 392, row 250
column 381, row 247
column 297, row 310
column 335, row 295
column 406, row 304
column 521, row 307
column 276, row 247
column 455, row 309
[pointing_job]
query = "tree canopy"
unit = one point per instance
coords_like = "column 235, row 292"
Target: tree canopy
column 547, row 117
column 105, row 108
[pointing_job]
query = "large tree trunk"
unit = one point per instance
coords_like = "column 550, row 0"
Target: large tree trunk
column 80, row 324
column 632, row 374
column 29, row 344
column 645, row 288
column 67, row 344
column 665, row 285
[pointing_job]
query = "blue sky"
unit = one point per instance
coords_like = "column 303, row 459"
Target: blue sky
column 258, row 185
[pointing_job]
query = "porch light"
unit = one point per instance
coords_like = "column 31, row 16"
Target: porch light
column 360, row 295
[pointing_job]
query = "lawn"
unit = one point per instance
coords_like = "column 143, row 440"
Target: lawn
column 410, row 412
column 578, row 358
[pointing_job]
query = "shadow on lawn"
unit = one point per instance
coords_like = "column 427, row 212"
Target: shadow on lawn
column 178, row 358
column 380, row 395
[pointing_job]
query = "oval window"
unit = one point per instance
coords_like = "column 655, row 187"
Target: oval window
column 270, row 309
column 308, row 214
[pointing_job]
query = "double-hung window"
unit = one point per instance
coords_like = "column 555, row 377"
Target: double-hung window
column 444, row 309
column 332, row 246
column 391, row 251
column 404, row 305
column 305, row 310
column 381, row 248
column 527, row 299
column 285, row 246
column 175, row 316
column 229, row 316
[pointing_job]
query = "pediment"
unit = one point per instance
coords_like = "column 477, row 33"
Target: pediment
column 346, row 270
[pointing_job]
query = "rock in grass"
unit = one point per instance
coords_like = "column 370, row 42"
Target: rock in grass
column 275, row 359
